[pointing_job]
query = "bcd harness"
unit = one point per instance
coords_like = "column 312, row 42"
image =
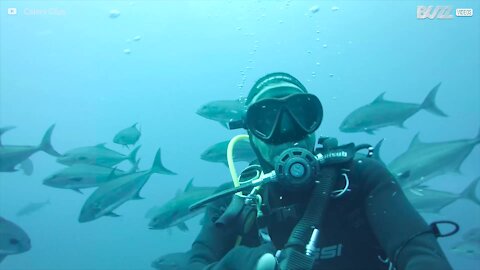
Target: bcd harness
column 296, row 169
column 299, row 170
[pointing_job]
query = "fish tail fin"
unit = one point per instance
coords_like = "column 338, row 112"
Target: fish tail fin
column 158, row 167
column 46, row 144
column 133, row 155
column 429, row 102
column 469, row 192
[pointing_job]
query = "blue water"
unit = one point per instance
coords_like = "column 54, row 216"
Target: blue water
column 69, row 68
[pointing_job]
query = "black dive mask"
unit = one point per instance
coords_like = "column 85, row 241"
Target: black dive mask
column 280, row 120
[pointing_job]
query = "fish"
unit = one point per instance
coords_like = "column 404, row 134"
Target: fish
column 432, row 201
column 112, row 194
column 13, row 239
column 224, row 111
column 26, row 166
column 32, row 207
column 172, row 261
column 80, row 176
column 13, row 155
column 382, row 113
column 96, row 155
column 422, row 160
column 127, row 136
column 218, row 152
column 176, row 211
column 470, row 244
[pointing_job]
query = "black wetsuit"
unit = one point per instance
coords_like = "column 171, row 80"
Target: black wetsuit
column 370, row 223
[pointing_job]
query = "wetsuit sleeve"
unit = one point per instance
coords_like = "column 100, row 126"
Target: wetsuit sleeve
column 400, row 230
column 213, row 242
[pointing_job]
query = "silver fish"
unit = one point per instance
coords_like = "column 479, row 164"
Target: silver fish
column 432, row 201
column 172, row 261
column 128, row 136
column 79, row 176
column 223, row 111
column 32, row 208
column 470, row 245
column 13, row 155
column 218, row 152
column 382, row 113
column 96, row 155
column 13, row 239
column 176, row 211
column 423, row 161
column 112, row 194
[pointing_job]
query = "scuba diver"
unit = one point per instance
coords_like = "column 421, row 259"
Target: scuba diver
column 309, row 206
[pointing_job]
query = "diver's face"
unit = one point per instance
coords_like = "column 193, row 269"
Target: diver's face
column 271, row 152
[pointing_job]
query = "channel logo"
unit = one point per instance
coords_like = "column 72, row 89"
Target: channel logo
column 434, row 12
column 12, row 11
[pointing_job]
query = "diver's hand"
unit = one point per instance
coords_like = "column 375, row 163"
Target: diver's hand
column 243, row 257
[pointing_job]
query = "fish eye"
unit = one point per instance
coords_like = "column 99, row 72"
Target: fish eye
column 14, row 241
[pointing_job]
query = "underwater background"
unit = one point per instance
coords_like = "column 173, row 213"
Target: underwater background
column 93, row 68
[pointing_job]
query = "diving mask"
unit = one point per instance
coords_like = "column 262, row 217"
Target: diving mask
column 279, row 120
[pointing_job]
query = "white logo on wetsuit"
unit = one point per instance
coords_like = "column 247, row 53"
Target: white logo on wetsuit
column 329, row 252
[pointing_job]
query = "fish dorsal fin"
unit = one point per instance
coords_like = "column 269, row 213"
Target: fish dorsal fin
column 415, row 141
column 134, row 125
column 379, row 98
column 189, row 186
column 3, row 130
column 101, row 145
